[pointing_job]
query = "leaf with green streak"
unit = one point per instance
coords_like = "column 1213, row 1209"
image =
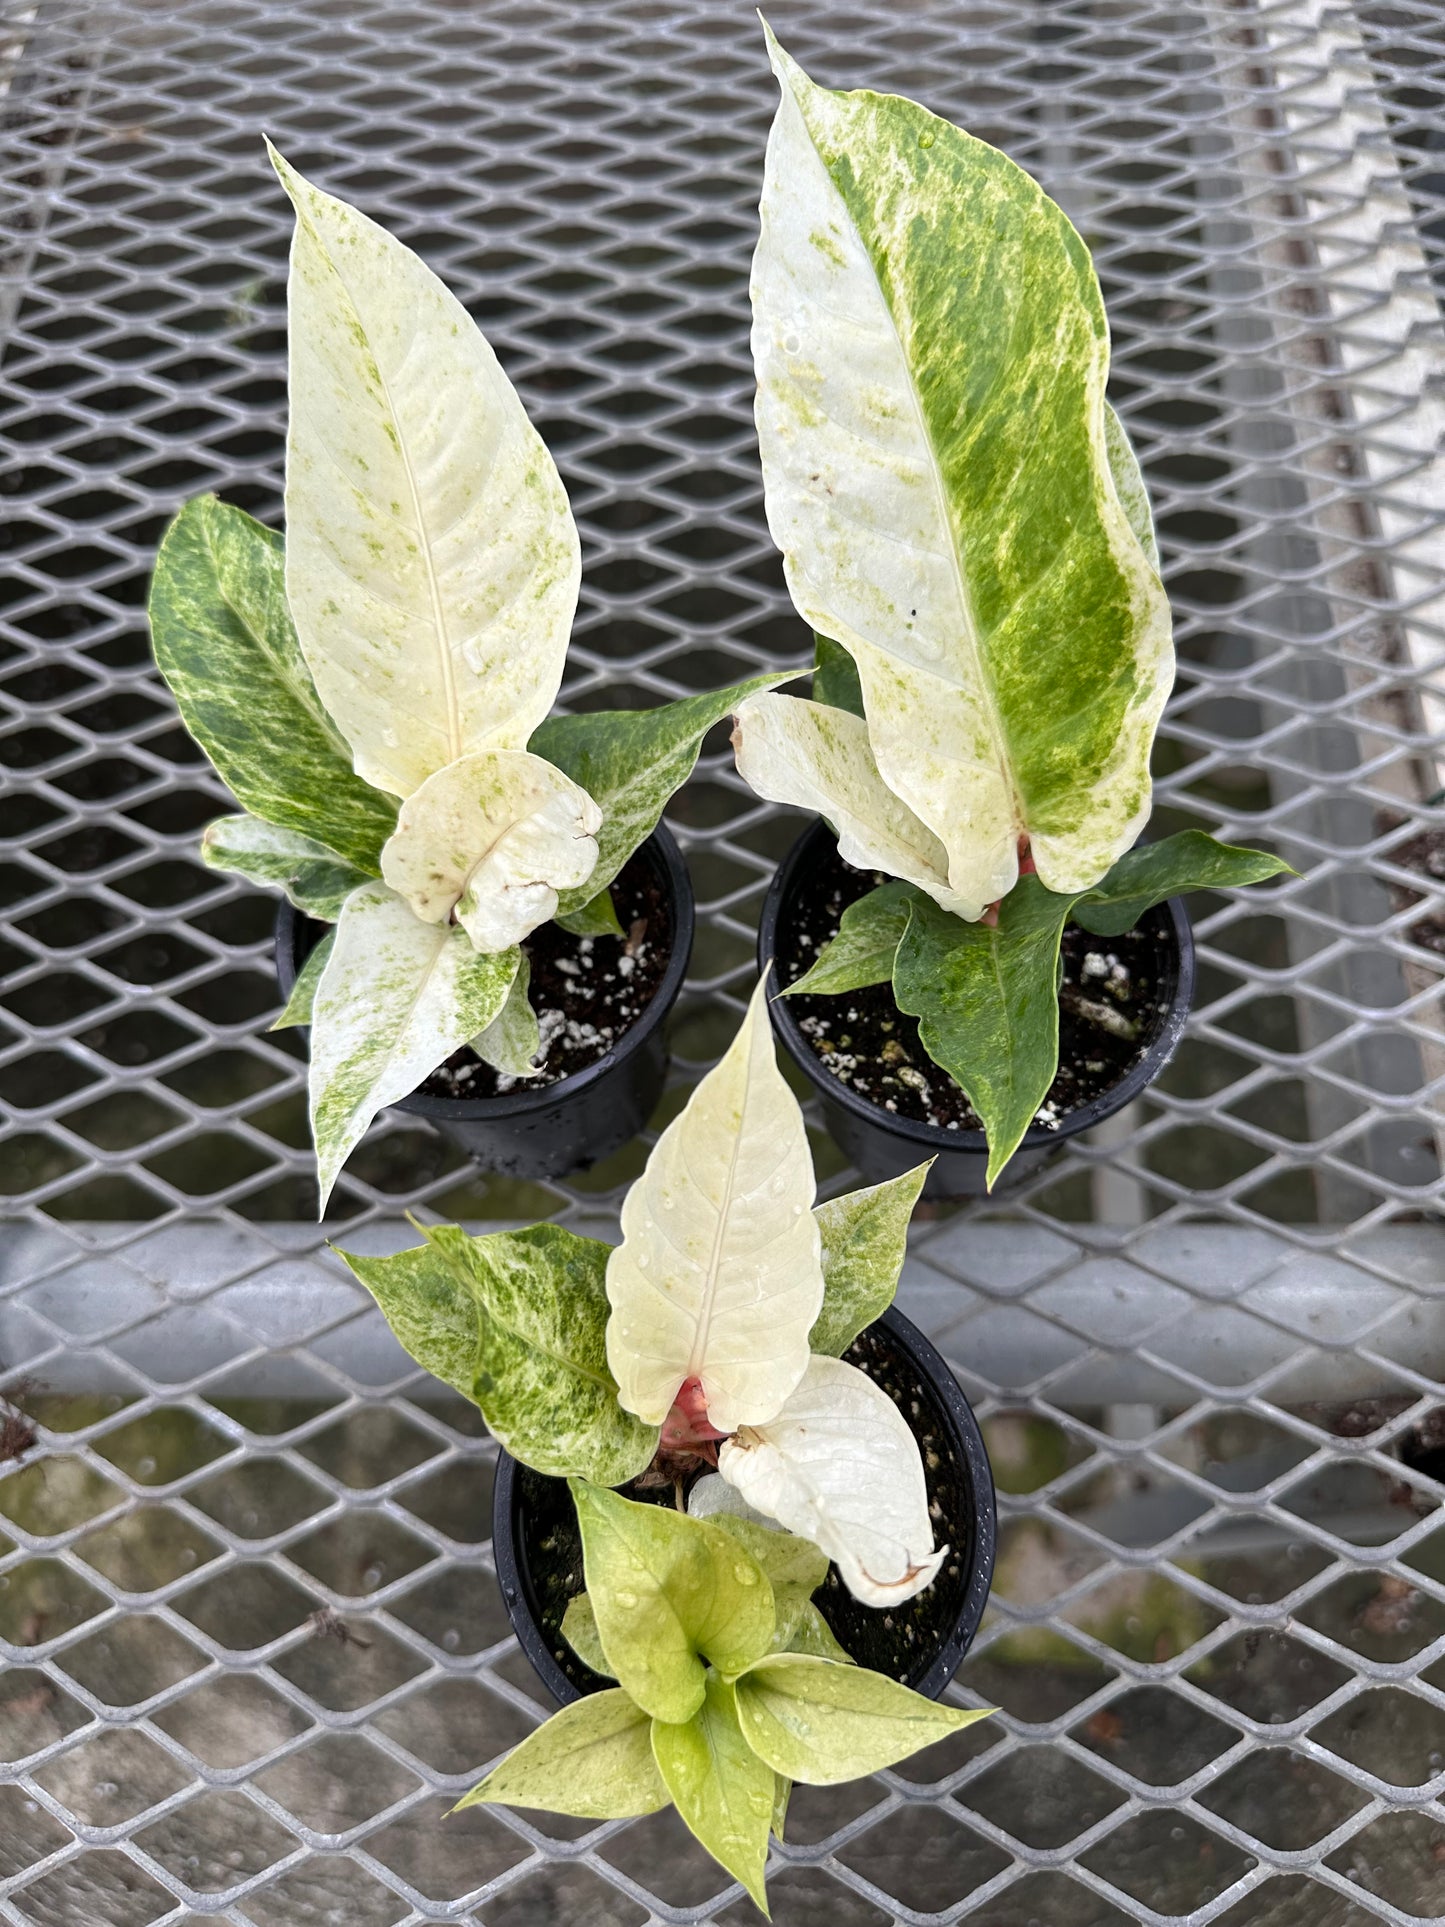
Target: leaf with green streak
column 597, row 918
column 823, row 1723
column 1157, row 871
column 303, row 991
column 579, row 1629
column 512, row 1039
column 932, row 352
column 724, row 1792
column 631, row 761
column 987, row 999
column 862, row 953
column 432, row 562
column 226, row 645
column 593, row 1759
column 516, row 1321
column 669, row 1592
column 835, row 677
column 314, row 878
column 865, row 1240
column 396, row 998
column 782, row 1788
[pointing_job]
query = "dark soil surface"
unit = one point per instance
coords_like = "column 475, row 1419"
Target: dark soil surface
column 864, row 1040
column 901, row 1642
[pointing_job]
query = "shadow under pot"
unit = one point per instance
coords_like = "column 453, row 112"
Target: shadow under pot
column 537, row 1548
column 888, row 1105
column 604, row 1002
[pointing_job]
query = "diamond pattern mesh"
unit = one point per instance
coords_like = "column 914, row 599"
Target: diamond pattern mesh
column 252, row 1645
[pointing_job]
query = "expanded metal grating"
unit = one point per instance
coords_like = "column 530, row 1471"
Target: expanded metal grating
column 253, row 1647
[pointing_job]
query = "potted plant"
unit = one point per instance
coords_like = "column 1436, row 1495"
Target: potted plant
column 744, row 1522
column 965, row 527
column 376, row 695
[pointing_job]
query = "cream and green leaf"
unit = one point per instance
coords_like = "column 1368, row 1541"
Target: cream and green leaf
column 314, row 878
column 865, row 1240
column 593, row 1759
column 432, row 562
column 723, row 1791
column 955, row 506
column 516, row 1321
column 512, row 1040
column 300, row 1003
column 224, row 641
column 820, row 1723
column 395, row 999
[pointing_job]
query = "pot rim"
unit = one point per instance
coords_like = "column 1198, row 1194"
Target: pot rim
column 934, row 1137
column 970, row 1450
column 521, row 1103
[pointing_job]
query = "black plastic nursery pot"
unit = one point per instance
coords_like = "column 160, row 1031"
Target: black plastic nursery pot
column 546, row 1131
column 881, row 1143
column 537, row 1549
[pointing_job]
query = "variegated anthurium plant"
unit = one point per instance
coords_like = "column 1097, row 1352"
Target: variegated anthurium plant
column 713, row 1333
column 376, row 693
column 965, row 527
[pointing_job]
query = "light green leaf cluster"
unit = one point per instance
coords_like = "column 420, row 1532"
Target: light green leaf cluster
column 696, row 1622
column 516, row 1322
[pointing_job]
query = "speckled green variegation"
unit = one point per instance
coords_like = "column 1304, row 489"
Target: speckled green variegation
column 313, row 877
column 955, row 504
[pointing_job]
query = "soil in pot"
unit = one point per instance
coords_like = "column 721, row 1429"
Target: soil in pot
column 587, row 992
column 1109, row 1010
column 901, row 1641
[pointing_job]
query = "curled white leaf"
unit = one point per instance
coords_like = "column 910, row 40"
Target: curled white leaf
column 719, row 1273
column 838, row 1465
column 711, row 1494
column 818, row 758
column 490, row 840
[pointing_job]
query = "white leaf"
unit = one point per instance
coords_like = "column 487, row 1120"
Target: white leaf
column 432, row 561
column 493, row 838
column 396, row 998
column 719, row 1273
column 838, row 1465
column 711, row 1494
column 932, row 350
column 818, row 758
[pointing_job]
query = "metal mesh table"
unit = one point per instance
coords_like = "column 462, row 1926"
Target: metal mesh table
column 252, row 1645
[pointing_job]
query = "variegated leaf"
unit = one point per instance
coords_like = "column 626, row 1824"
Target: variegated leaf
column 226, row 645
column 838, row 1465
column 512, row 1039
column 396, row 998
column 432, row 562
column 822, row 1723
column 932, row 350
column 632, row 761
column 593, row 1759
column 724, row 1792
column 863, row 951
column 491, row 841
column 314, row 878
column 819, row 758
column 303, row 991
column 865, row 1240
column 718, row 1276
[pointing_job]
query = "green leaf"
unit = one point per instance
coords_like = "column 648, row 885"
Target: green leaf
column 516, row 1321
column 803, row 1629
column 669, row 1592
column 1156, row 871
column 303, row 991
column 314, row 878
column 787, row 1560
column 630, row 761
column 593, row 1759
column 596, row 918
column 579, row 1629
column 782, row 1787
column 724, row 1792
column 226, row 645
column 432, row 560
column 512, row 1039
column 987, row 999
column 932, row 351
column 863, row 951
column 835, row 677
column 396, row 998
column 865, row 1240
column 823, row 1723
